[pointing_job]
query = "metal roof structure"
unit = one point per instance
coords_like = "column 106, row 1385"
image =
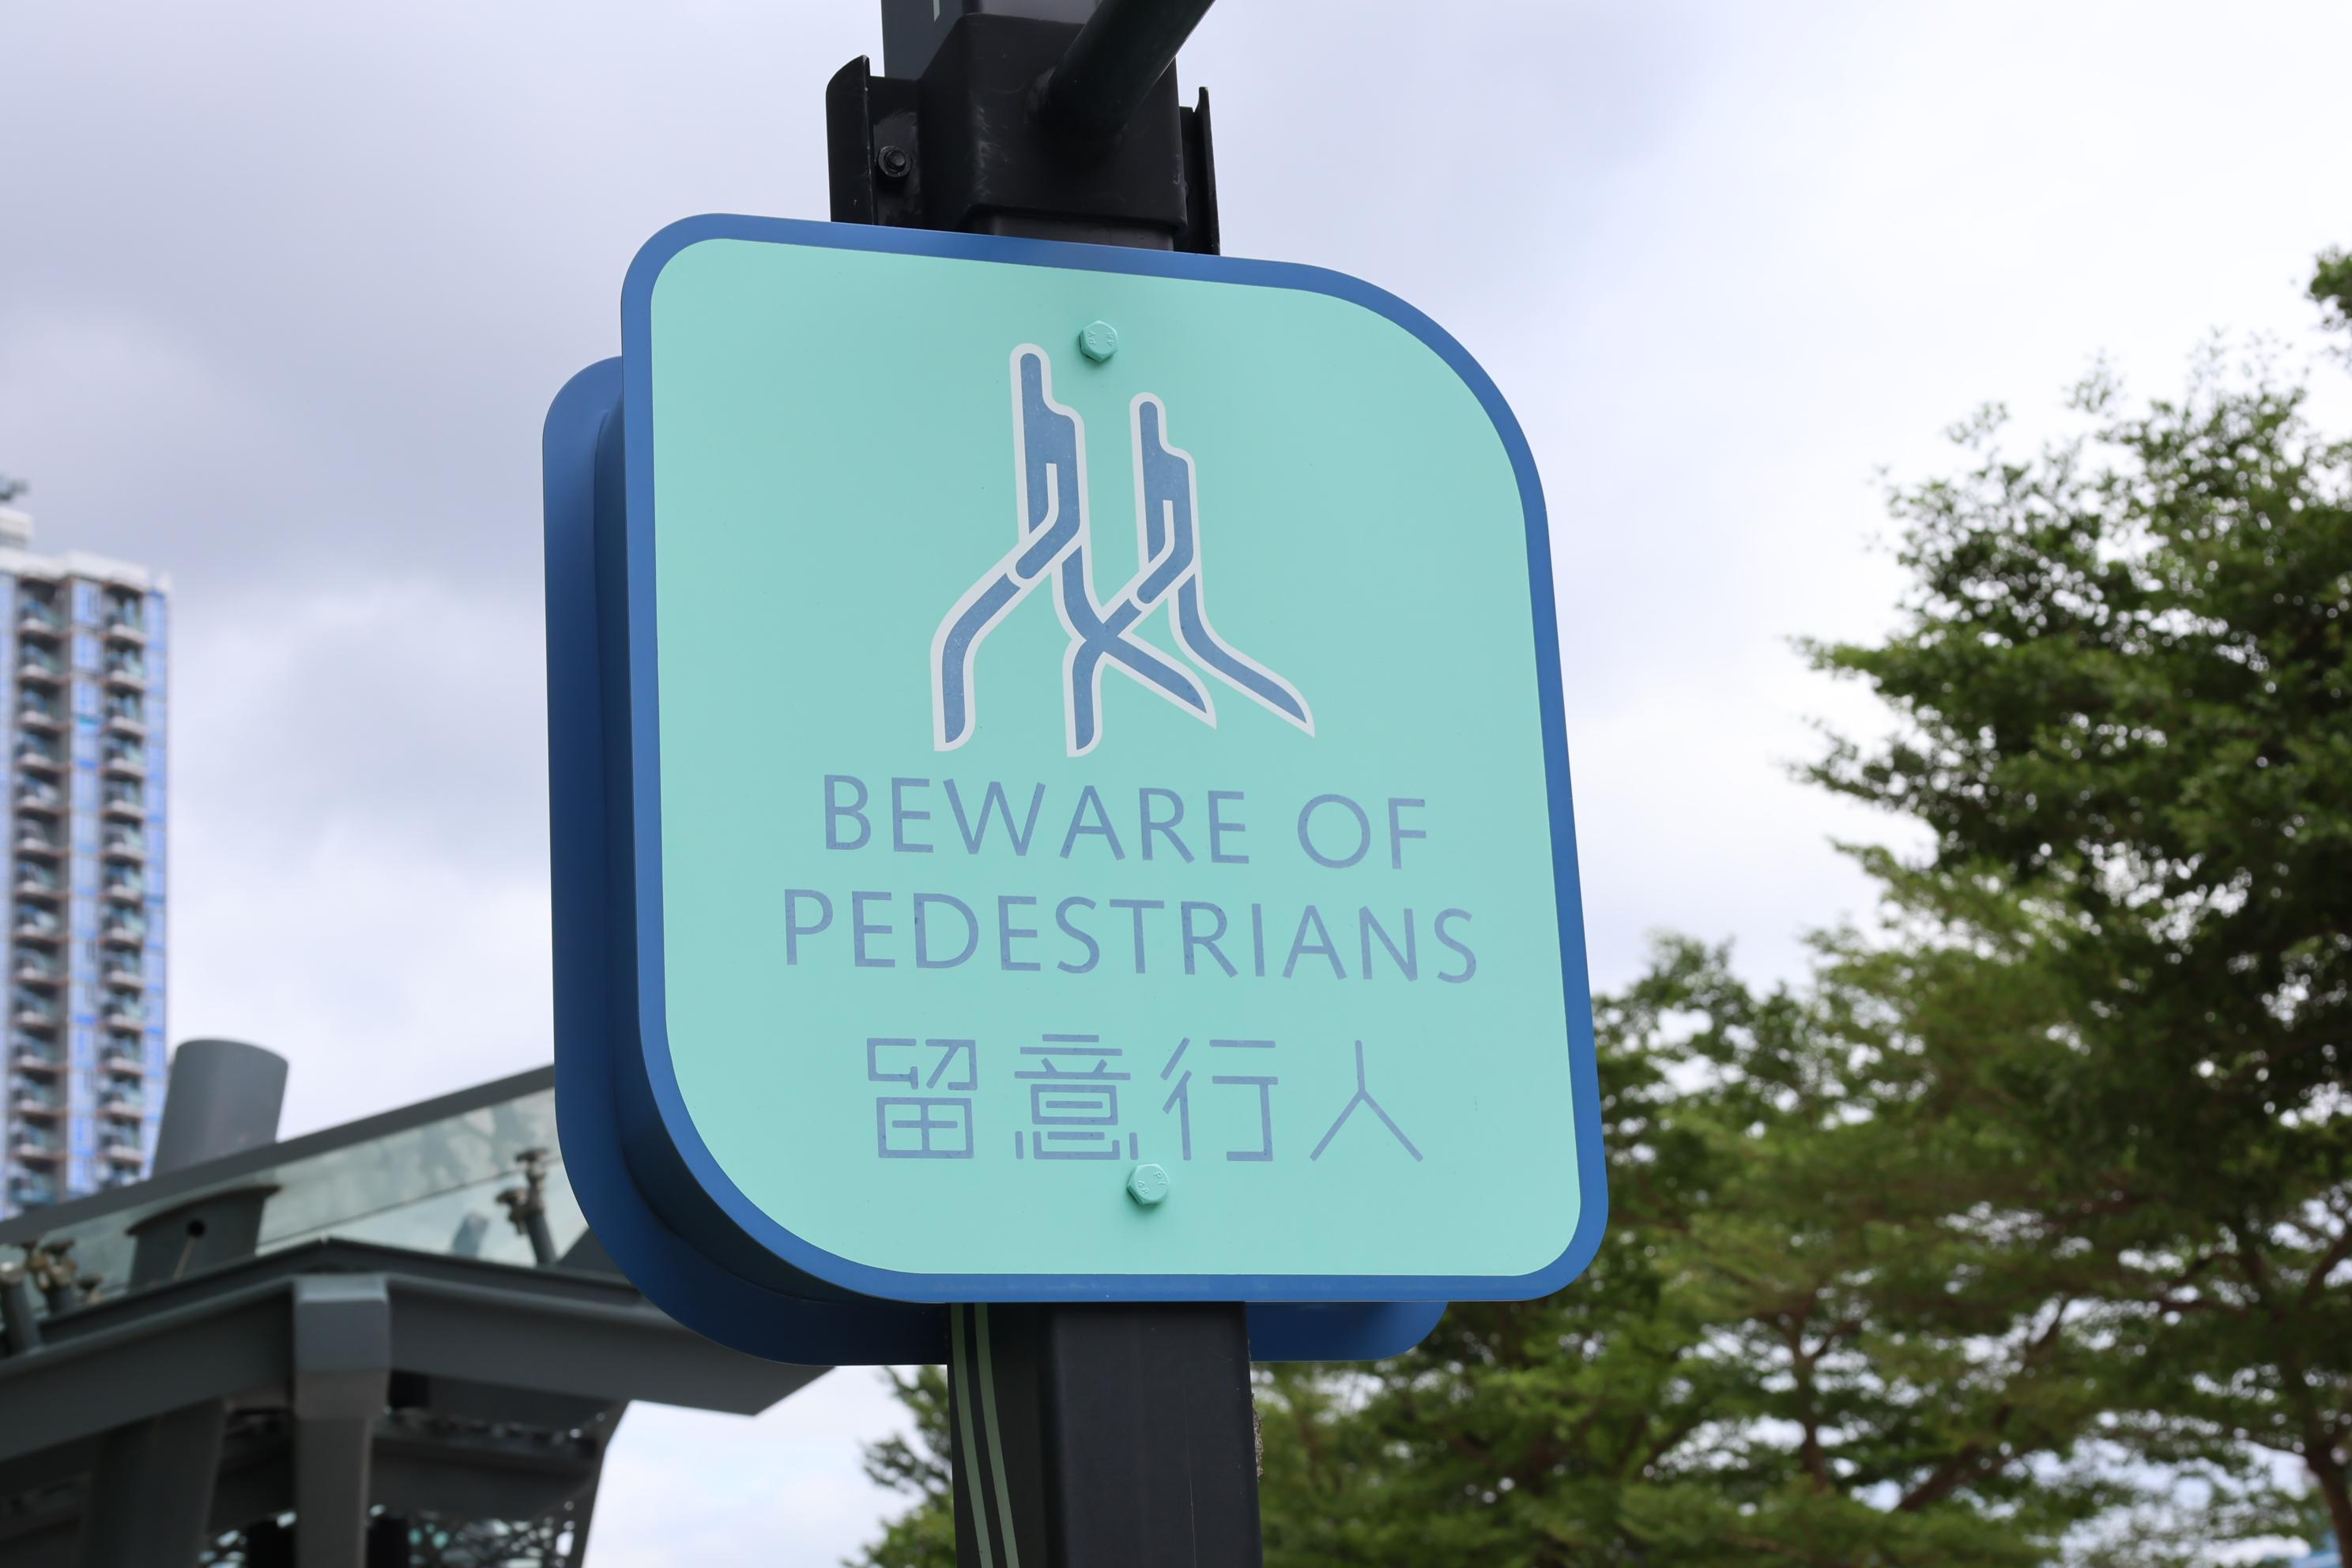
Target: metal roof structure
column 392, row 1342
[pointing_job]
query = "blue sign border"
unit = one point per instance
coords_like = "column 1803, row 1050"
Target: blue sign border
column 675, row 1276
column 674, row 1169
column 698, row 1292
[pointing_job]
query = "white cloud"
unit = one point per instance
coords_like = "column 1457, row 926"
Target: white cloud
column 359, row 868
column 286, row 289
column 688, row 1487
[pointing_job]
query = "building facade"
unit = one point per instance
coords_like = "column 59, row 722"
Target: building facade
column 83, row 650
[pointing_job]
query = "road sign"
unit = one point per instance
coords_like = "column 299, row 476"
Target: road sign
column 1089, row 780
column 771, row 1314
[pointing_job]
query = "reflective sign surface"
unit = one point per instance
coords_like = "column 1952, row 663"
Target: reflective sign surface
column 1097, row 805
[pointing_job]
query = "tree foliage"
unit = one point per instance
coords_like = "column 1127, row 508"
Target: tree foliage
column 2018, row 1228
column 916, row 1464
column 2123, row 693
column 1817, row 1335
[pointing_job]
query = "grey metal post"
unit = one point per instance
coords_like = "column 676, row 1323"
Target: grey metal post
column 583, row 1507
column 223, row 1098
column 16, row 1312
column 527, row 1206
column 151, row 1490
column 343, row 1371
column 50, row 1265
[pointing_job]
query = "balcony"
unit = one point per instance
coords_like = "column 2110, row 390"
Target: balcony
column 25, row 1046
column 34, row 794
column 39, row 671
column 126, row 805
column 27, row 1192
column 126, row 889
column 124, row 933
column 39, row 969
column 115, row 974
column 36, row 716
column 32, row 1150
column 123, row 1153
column 126, row 847
column 122, row 1105
column 127, row 628
column 120, row 723
column 30, row 1012
column 38, row 844
column 123, row 673
column 37, row 883
column 115, row 1059
column 37, row 925
column 29, row 1101
column 33, row 622
column 127, row 762
column 47, row 759
column 130, row 1017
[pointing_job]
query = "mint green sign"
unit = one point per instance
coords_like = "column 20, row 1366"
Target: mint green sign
column 1100, row 812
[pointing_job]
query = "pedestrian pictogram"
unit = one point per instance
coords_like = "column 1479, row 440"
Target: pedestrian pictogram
column 1053, row 541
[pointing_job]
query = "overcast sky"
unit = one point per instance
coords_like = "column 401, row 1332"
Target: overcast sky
column 284, row 290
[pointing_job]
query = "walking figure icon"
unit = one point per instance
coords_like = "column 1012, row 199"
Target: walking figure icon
column 1053, row 545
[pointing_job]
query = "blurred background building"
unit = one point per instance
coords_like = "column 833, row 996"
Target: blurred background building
column 82, row 661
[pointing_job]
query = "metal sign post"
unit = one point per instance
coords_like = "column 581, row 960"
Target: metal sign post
column 1079, row 1434
column 1063, row 860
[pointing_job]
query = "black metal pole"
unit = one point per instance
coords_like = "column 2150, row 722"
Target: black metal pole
column 1082, row 1435
column 1122, row 50
column 1109, row 1436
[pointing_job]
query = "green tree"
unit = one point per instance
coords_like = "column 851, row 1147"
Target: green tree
column 916, row 1464
column 1812, row 1338
column 2012, row 1231
column 1792, row 1349
column 2124, row 694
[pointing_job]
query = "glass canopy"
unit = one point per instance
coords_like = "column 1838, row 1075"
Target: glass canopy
column 427, row 1177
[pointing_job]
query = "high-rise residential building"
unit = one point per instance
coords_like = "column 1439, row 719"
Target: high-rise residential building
column 82, row 658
